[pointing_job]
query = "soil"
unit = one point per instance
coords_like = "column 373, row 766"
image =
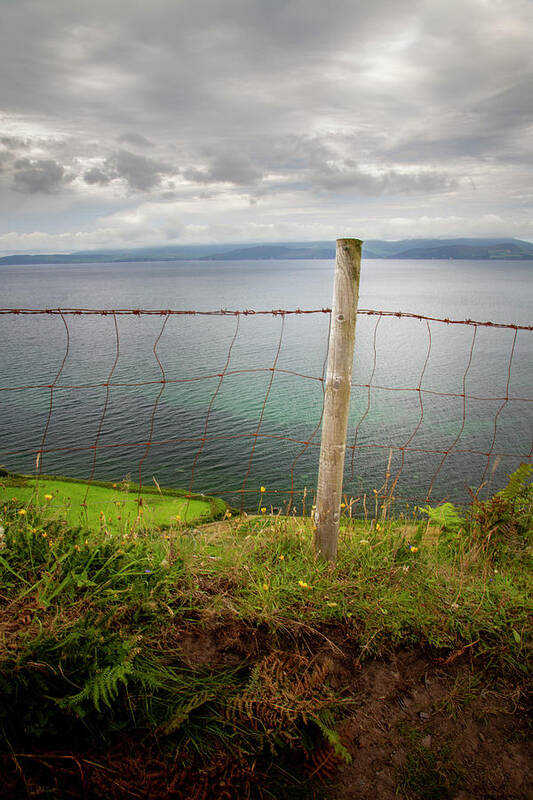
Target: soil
column 419, row 728
column 432, row 731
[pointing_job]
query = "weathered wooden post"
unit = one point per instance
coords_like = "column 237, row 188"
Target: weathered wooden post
column 337, row 397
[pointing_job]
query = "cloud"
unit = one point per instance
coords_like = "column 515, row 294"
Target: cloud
column 14, row 143
column 135, row 139
column 350, row 177
column 289, row 109
column 229, row 167
column 38, row 176
column 140, row 173
column 97, row 176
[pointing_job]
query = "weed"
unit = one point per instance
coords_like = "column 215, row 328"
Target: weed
column 429, row 773
column 98, row 633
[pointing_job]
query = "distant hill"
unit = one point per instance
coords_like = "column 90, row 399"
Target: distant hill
column 264, row 252
column 469, row 249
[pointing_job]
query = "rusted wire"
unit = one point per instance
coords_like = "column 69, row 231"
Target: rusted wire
column 421, row 418
column 490, row 453
column 368, row 386
column 255, row 312
column 154, row 409
column 40, row 452
column 500, row 409
column 104, row 410
column 221, row 377
column 463, row 420
column 263, row 407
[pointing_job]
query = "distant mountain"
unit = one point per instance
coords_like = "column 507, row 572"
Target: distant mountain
column 470, row 249
column 264, row 252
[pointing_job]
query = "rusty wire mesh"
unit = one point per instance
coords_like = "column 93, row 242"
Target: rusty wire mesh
column 421, row 424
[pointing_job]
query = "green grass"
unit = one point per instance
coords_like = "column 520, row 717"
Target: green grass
column 426, row 775
column 224, row 641
column 108, row 506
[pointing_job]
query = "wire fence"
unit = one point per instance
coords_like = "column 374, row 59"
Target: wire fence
column 226, row 402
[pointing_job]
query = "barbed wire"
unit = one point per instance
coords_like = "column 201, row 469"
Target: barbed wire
column 224, row 312
column 490, row 454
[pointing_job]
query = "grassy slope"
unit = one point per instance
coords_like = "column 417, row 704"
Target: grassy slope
column 223, row 641
column 111, row 506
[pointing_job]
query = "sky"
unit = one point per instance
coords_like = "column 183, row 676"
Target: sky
column 128, row 124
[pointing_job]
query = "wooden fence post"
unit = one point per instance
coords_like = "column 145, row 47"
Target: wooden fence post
column 337, row 397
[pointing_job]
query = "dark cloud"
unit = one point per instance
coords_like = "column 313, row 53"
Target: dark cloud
column 136, row 139
column 14, row 143
column 350, row 177
column 226, row 168
column 38, row 176
column 97, row 176
column 139, row 173
column 322, row 105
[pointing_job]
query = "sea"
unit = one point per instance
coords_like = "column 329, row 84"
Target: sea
column 226, row 404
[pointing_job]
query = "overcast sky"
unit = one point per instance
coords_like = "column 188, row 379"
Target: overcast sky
column 134, row 122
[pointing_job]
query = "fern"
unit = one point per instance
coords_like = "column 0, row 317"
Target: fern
column 182, row 712
column 333, row 738
column 445, row 516
column 101, row 688
column 520, row 486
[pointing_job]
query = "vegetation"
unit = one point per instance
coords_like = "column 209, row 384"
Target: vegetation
column 216, row 654
column 116, row 507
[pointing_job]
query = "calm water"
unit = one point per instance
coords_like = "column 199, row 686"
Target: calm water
column 390, row 353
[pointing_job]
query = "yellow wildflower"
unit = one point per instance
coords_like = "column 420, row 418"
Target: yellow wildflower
column 343, row 505
column 47, row 496
column 282, row 557
column 22, row 512
column 263, row 510
column 265, row 587
column 44, row 534
column 262, row 489
column 413, row 549
column 303, row 584
column 378, row 526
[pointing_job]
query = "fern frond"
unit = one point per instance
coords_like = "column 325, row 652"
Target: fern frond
column 520, row 486
column 101, row 688
column 182, row 712
column 333, row 738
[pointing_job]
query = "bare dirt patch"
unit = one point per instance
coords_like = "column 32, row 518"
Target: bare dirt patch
column 425, row 730
column 417, row 728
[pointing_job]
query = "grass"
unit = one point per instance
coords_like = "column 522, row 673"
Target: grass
column 426, row 775
column 221, row 643
column 108, row 506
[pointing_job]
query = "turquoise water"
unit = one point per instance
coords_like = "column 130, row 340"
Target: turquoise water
column 392, row 352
